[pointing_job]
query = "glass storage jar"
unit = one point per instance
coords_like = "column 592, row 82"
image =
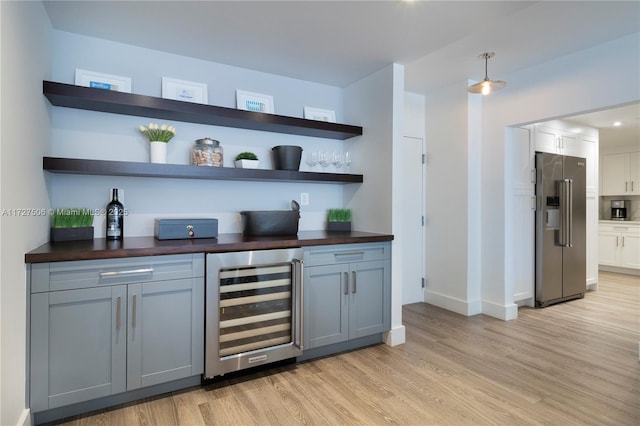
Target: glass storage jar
column 206, row 152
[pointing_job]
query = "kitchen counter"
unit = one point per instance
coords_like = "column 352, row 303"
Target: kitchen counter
column 101, row 248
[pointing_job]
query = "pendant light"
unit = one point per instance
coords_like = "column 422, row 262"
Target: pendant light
column 486, row 86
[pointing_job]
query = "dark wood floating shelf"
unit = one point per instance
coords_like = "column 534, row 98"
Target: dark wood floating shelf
column 71, row 96
column 130, row 168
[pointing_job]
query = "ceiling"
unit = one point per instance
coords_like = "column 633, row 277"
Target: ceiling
column 340, row 42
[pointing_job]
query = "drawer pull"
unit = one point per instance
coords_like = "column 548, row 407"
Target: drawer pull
column 130, row 272
column 352, row 253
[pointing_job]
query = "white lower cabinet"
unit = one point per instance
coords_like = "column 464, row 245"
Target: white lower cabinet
column 103, row 327
column 619, row 245
column 347, row 292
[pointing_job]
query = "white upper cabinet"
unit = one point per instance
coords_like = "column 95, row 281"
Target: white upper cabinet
column 556, row 141
column 621, row 174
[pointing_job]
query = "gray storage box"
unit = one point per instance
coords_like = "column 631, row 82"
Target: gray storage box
column 276, row 222
column 176, row 229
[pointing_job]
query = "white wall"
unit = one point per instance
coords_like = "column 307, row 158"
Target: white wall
column 93, row 135
column 447, row 136
column 376, row 102
column 563, row 87
column 24, row 132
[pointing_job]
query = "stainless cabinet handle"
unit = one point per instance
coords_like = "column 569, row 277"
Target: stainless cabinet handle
column 130, row 272
column 353, row 276
column 118, row 314
column 622, row 241
column 351, row 253
column 346, row 283
column 133, row 312
column 617, row 241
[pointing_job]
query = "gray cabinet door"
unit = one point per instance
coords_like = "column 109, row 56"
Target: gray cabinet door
column 370, row 303
column 114, row 325
column 165, row 331
column 326, row 304
column 346, row 301
column 78, row 345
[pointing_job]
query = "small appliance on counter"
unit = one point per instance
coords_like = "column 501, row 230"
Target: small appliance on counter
column 619, row 209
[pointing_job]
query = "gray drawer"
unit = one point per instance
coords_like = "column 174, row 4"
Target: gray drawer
column 104, row 272
column 347, row 253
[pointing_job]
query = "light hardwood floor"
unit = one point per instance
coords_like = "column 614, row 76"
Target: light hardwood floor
column 575, row 363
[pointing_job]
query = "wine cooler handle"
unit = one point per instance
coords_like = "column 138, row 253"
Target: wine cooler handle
column 298, row 279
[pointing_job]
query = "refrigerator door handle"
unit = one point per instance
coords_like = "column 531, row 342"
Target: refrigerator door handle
column 570, row 212
column 565, row 232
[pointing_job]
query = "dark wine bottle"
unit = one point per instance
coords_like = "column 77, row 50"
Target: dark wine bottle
column 115, row 217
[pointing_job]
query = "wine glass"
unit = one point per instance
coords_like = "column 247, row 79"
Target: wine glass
column 312, row 159
column 336, row 160
column 323, row 159
column 347, row 161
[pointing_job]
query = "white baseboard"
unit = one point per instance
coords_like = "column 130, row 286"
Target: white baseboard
column 25, row 418
column 395, row 336
column 506, row 313
column 628, row 271
column 449, row 303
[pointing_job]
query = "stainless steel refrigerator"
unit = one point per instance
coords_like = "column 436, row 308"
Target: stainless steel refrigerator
column 561, row 254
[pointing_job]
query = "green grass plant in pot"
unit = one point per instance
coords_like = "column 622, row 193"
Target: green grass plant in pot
column 247, row 160
column 71, row 224
column 339, row 220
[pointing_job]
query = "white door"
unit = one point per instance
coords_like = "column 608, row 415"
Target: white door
column 412, row 212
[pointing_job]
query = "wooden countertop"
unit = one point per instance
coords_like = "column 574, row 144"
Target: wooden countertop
column 101, row 248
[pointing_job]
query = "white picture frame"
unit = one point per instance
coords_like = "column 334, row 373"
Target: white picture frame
column 257, row 102
column 186, row 91
column 327, row 115
column 99, row 80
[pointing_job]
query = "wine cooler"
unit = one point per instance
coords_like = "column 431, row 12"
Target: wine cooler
column 253, row 309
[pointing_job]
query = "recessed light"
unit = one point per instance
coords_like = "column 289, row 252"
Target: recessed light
column 617, row 123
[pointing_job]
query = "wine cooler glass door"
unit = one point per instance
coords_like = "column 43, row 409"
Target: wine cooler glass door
column 256, row 312
column 255, row 307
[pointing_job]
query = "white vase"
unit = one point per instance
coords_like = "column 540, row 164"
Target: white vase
column 158, row 151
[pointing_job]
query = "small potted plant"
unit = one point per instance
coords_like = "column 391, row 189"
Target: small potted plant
column 247, row 160
column 339, row 220
column 158, row 137
column 71, row 224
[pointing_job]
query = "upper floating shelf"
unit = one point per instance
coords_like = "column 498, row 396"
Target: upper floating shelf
column 71, row 96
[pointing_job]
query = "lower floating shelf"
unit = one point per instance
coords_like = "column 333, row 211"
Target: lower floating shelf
column 183, row 171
